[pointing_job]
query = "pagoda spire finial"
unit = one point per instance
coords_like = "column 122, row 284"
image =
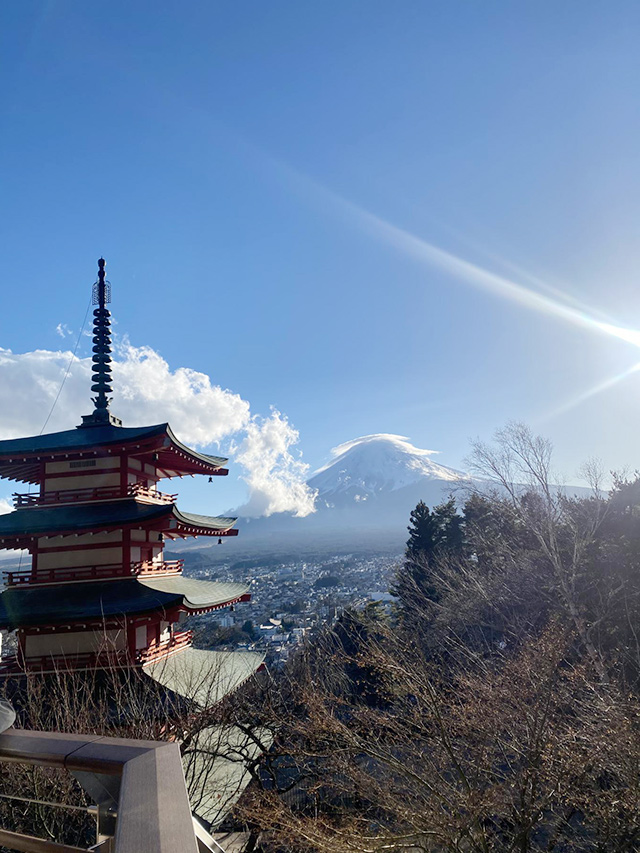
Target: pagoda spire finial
column 101, row 367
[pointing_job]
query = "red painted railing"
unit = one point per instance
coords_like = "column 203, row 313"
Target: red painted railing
column 20, row 501
column 137, row 490
column 147, row 567
column 100, row 660
column 158, row 651
column 90, row 573
column 100, row 493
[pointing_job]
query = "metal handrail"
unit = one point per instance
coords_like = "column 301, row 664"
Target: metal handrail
column 153, row 810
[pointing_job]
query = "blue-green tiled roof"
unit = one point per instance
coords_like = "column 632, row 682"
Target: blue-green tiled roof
column 73, row 602
column 97, row 516
column 78, row 439
column 40, row 605
column 84, row 439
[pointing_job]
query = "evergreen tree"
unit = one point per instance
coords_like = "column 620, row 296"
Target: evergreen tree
column 449, row 529
column 248, row 629
column 431, row 535
column 422, row 532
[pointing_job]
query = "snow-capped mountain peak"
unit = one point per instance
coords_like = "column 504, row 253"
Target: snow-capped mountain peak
column 377, row 463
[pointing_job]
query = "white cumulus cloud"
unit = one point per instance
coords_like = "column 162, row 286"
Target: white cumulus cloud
column 199, row 412
column 148, row 391
column 276, row 477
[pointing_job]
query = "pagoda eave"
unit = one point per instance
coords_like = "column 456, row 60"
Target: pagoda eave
column 99, row 601
column 205, row 676
column 25, row 525
column 22, row 459
column 184, row 531
column 198, row 611
column 199, row 596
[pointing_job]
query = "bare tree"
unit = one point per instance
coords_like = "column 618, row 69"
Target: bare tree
column 519, row 465
column 523, row 752
column 496, row 715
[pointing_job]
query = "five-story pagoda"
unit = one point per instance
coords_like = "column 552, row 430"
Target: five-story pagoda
column 98, row 592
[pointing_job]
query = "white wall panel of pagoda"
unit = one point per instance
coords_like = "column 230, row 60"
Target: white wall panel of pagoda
column 74, row 643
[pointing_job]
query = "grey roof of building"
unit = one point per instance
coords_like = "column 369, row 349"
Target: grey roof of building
column 97, row 516
column 205, row 676
column 73, row 602
column 214, row 522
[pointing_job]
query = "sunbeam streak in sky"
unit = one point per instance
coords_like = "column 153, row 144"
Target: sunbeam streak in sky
column 484, row 279
column 408, row 244
column 590, row 392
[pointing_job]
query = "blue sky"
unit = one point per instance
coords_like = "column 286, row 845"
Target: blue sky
column 254, row 174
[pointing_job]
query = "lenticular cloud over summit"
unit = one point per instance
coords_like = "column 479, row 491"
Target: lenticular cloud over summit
column 400, row 442
column 378, row 463
column 148, row 391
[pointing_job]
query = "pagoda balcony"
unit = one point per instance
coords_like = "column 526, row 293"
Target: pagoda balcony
column 102, row 659
column 158, row 651
column 148, row 567
column 105, row 659
column 100, row 493
column 76, row 574
column 137, row 490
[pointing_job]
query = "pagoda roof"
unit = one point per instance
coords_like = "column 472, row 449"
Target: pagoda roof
column 76, row 602
column 20, row 457
column 67, row 519
column 205, row 676
column 197, row 594
column 215, row 785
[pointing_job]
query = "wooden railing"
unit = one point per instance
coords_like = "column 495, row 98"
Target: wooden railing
column 26, row 577
column 20, row 501
column 106, row 659
column 100, row 493
column 136, row 490
column 144, row 809
column 148, row 567
column 180, row 640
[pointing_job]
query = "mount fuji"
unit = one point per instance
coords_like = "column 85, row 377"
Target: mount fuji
column 370, row 467
column 364, row 495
